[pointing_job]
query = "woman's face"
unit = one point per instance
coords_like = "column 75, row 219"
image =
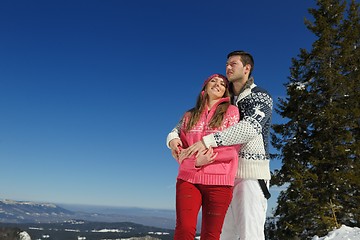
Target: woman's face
column 215, row 88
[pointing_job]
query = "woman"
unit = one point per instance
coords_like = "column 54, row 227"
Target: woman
column 206, row 180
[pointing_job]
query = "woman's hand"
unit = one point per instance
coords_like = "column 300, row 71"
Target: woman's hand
column 196, row 148
column 205, row 157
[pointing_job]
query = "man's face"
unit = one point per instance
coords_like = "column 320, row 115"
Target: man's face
column 235, row 69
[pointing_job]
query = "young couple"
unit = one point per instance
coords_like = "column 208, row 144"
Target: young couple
column 221, row 146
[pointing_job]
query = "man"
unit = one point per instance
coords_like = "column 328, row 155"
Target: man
column 245, row 218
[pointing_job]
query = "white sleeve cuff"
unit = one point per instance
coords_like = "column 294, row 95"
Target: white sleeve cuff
column 171, row 136
column 209, row 140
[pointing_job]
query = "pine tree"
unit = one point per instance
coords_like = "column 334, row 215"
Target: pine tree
column 319, row 142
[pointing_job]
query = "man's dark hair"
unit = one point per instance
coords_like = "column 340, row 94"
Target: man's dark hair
column 245, row 58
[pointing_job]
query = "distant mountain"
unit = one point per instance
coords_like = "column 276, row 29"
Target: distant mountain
column 18, row 212
column 32, row 212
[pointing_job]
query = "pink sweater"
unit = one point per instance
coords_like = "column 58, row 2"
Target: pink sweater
column 222, row 171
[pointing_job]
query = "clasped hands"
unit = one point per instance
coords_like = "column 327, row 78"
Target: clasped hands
column 203, row 155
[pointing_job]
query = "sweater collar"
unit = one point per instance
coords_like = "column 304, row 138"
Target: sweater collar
column 248, row 84
column 221, row 100
column 246, row 90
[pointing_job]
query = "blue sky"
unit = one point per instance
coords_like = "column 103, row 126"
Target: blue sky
column 90, row 89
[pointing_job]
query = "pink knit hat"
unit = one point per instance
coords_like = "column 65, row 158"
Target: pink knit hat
column 216, row 75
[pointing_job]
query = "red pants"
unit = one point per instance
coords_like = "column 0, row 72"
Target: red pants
column 214, row 201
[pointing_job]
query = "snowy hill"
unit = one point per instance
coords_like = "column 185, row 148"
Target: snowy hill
column 16, row 211
column 343, row 233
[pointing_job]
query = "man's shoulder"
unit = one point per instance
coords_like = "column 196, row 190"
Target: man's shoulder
column 259, row 95
column 260, row 90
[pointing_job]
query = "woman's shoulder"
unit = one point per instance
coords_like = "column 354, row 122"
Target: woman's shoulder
column 187, row 114
column 232, row 108
column 232, row 112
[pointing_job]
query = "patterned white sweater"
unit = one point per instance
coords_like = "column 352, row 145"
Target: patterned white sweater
column 251, row 132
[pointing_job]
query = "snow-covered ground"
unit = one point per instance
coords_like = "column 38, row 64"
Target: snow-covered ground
column 343, row 233
column 24, row 236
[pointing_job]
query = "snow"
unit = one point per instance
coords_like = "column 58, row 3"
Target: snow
column 343, row 233
column 24, row 236
column 107, row 230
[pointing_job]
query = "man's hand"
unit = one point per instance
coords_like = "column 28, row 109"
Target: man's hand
column 175, row 146
column 182, row 155
column 205, row 157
